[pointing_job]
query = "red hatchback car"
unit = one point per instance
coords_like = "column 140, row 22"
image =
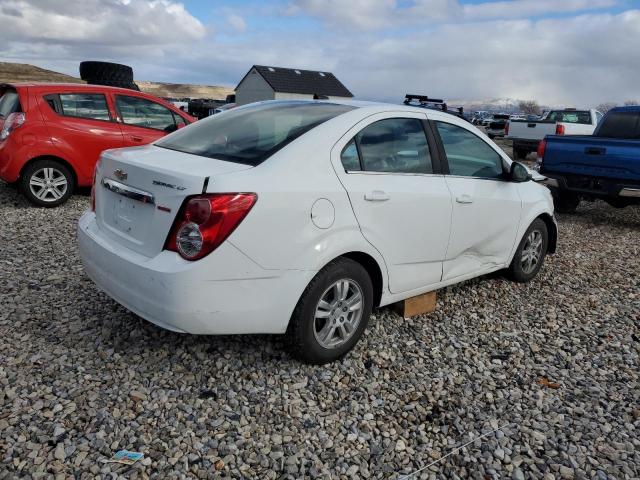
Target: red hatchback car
column 51, row 135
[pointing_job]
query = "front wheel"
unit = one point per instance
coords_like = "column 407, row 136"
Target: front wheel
column 332, row 313
column 530, row 254
column 566, row 202
column 47, row 183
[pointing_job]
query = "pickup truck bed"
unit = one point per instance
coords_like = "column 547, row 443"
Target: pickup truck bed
column 526, row 135
column 588, row 167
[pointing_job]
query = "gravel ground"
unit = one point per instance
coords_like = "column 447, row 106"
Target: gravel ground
column 549, row 369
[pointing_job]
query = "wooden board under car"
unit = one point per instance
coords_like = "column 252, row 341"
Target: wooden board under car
column 425, row 303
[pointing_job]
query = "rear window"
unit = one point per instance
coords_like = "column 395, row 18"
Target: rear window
column 624, row 125
column 251, row 134
column 570, row 116
column 9, row 103
column 85, row 105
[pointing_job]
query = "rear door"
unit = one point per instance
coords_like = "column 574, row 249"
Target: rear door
column 144, row 121
column 398, row 194
column 81, row 127
column 486, row 207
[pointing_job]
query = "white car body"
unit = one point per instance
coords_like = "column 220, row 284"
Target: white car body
column 421, row 232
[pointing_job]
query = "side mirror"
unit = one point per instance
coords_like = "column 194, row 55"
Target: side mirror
column 519, row 173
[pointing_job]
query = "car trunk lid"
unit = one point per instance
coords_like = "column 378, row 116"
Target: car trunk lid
column 139, row 192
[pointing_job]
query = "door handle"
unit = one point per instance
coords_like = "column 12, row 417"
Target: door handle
column 464, row 198
column 136, row 138
column 595, row 151
column 377, row 196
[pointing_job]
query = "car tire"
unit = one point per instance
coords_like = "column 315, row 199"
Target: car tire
column 519, row 153
column 326, row 323
column 106, row 71
column 565, row 202
column 617, row 202
column 530, row 254
column 47, row 183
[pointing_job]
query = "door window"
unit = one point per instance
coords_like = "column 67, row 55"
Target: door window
column 85, row 105
column 467, row 154
column 350, row 158
column 394, row 145
column 141, row 112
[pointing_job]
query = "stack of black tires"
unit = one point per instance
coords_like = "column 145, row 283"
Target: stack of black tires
column 108, row 74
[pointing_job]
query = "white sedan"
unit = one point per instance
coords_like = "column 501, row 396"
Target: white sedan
column 299, row 217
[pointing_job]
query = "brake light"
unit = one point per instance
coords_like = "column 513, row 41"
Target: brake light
column 13, row 121
column 542, row 146
column 559, row 129
column 205, row 221
column 93, row 185
column 506, row 129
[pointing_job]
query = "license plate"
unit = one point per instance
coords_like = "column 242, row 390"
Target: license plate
column 123, row 215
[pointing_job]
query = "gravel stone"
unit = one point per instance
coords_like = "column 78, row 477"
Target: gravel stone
column 81, row 377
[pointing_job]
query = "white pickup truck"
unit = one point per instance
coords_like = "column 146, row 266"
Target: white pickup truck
column 526, row 135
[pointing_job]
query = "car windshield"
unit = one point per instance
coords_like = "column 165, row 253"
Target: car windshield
column 251, row 134
column 9, row 103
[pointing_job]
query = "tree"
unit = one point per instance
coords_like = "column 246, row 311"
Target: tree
column 605, row 107
column 530, row 107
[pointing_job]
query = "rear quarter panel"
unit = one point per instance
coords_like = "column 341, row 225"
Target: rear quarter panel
column 279, row 232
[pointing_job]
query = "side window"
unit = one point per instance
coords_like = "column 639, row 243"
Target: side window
column 350, row 158
column 84, row 105
column 141, row 112
column 467, row 154
column 397, row 145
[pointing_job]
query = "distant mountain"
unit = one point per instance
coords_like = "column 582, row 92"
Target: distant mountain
column 22, row 72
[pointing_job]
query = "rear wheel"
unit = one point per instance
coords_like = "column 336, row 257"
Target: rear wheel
column 530, row 254
column 565, row 202
column 519, row 153
column 332, row 313
column 47, row 183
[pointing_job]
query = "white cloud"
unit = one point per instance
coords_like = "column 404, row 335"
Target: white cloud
column 378, row 14
column 104, row 22
column 236, row 22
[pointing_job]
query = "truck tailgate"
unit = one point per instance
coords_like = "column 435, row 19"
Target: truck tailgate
column 523, row 129
column 592, row 156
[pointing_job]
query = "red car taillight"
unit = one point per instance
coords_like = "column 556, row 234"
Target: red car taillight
column 506, row 129
column 13, row 121
column 559, row 129
column 205, row 221
column 542, row 146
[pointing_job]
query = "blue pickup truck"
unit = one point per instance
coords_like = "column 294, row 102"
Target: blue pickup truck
column 605, row 165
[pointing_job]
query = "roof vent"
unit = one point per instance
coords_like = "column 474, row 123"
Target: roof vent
column 271, row 69
column 298, row 72
column 321, row 74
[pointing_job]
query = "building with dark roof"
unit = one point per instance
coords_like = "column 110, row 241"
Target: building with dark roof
column 275, row 83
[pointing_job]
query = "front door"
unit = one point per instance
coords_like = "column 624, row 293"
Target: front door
column 401, row 202
column 486, row 207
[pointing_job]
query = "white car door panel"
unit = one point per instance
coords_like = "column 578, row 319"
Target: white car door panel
column 486, row 207
column 483, row 225
column 404, row 211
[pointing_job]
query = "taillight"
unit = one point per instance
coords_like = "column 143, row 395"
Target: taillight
column 93, row 185
column 13, row 121
column 506, row 129
column 542, row 146
column 205, row 221
column 559, row 129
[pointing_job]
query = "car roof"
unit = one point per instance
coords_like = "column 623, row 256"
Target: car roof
column 68, row 86
column 628, row 108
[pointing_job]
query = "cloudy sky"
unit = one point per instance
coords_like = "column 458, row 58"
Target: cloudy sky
column 569, row 52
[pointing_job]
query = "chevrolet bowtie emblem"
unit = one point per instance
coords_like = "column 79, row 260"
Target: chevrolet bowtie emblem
column 121, row 174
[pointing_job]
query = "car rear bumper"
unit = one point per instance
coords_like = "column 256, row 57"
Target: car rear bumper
column 224, row 293
column 525, row 143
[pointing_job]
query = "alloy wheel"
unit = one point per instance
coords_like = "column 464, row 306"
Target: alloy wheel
column 48, row 184
column 531, row 252
column 338, row 313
